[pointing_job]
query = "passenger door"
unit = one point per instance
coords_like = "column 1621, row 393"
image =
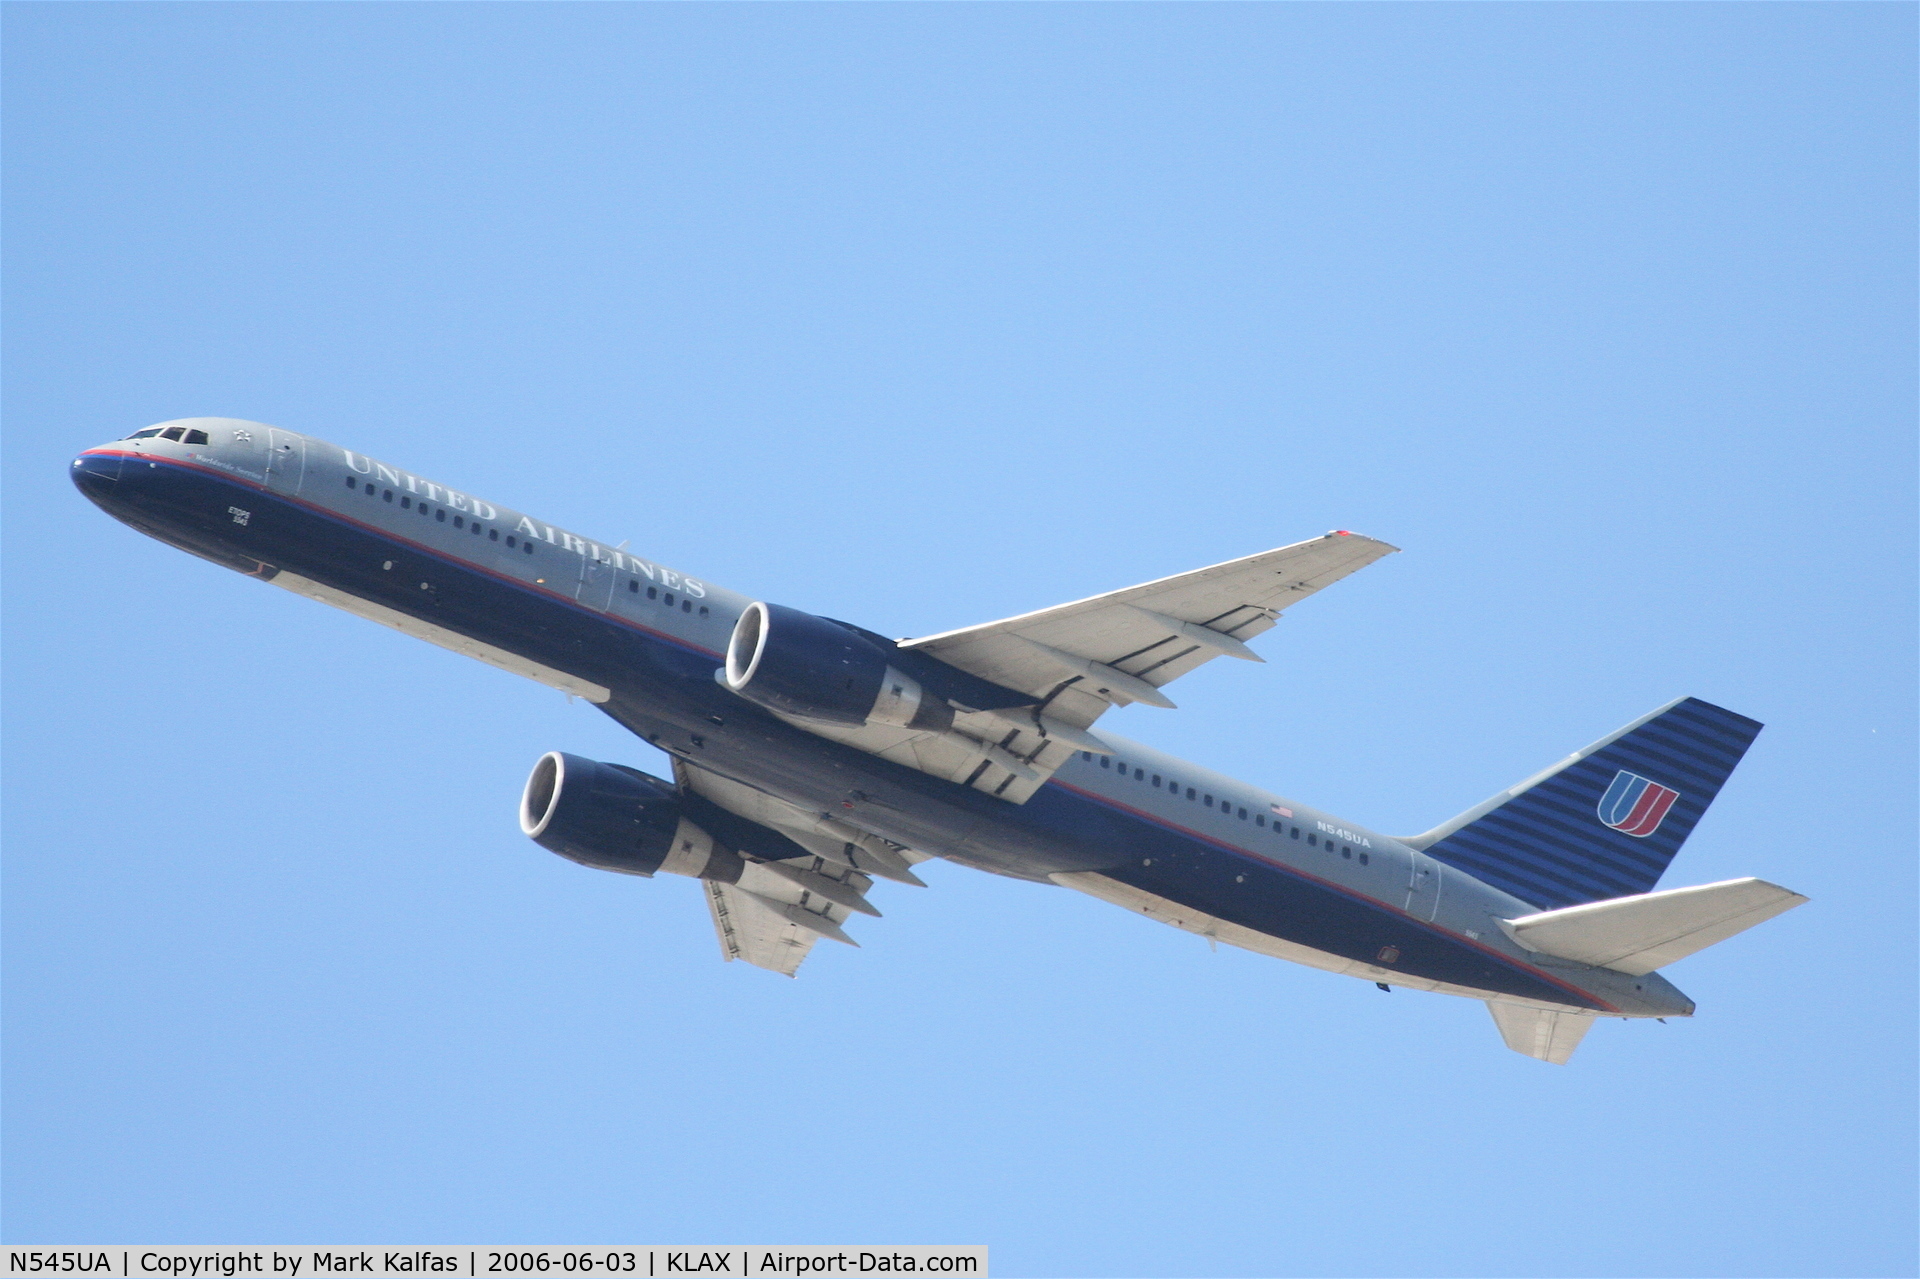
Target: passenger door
column 286, row 460
column 597, row 580
column 1424, row 876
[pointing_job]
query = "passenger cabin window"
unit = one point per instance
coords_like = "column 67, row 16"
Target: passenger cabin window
column 653, row 592
column 1346, row 852
column 1208, row 799
column 1363, row 859
column 351, row 483
column 1105, row 762
column 493, row 534
column 439, row 514
column 386, row 495
column 1259, row 821
column 703, row 610
column 1189, row 792
column 406, row 503
column 633, row 586
column 1243, row 813
column 1313, row 841
column 1296, row 832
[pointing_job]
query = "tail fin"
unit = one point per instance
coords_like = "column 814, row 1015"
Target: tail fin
column 1606, row 821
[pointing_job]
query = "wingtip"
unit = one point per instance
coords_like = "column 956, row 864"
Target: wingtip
column 1344, row 532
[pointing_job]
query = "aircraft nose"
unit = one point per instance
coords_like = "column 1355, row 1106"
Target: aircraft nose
column 96, row 474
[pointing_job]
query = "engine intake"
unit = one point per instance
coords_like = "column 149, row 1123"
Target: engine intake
column 601, row 815
column 813, row 668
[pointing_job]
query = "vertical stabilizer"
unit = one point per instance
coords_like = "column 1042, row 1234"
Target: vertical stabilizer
column 1536, row 1032
column 1606, row 821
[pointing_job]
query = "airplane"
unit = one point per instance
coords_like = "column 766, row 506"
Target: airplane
column 811, row 757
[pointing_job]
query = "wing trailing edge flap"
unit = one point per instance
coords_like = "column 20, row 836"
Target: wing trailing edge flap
column 753, row 930
column 780, row 906
column 1078, row 660
column 822, row 835
column 1538, row 1033
column 1007, row 753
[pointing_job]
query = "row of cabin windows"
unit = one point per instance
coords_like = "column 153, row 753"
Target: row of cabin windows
column 440, row 513
column 666, row 597
column 493, row 535
column 1173, row 786
column 179, row 434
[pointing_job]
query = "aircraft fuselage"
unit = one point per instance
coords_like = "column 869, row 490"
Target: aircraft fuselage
column 1139, row 828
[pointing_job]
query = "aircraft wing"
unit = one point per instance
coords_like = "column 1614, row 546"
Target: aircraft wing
column 753, row 930
column 1079, row 659
column 805, row 873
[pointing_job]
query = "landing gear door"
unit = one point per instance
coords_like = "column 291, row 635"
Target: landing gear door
column 286, row 460
column 1424, row 880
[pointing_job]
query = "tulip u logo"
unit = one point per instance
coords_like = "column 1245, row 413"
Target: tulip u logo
column 1635, row 806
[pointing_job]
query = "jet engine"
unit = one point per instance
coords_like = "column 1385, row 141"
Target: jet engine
column 812, row 668
column 612, row 817
column 606, row 816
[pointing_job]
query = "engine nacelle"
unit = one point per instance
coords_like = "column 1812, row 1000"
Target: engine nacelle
column 811, row 668
column 602, row 815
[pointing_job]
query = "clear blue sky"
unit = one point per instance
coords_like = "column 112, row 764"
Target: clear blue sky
column 920, row 316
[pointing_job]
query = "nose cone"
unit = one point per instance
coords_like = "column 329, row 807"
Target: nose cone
column 96, row 473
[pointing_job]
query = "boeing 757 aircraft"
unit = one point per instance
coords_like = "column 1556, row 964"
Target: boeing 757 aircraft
column 811, row 756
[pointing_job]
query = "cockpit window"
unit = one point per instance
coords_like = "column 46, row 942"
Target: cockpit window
column 180, row 433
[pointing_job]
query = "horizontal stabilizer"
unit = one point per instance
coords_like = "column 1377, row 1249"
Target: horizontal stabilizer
column 1549, row 1036
column 1641, row 933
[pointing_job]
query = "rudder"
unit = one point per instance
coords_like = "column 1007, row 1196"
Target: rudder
column 1605, row 822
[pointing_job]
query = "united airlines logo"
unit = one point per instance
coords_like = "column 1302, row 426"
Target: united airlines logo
column 1634, row 805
